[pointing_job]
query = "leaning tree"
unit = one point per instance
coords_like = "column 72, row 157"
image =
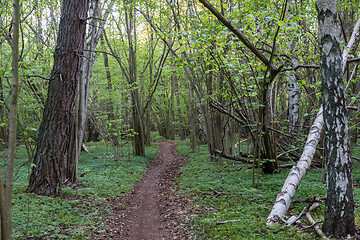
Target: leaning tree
column 47, row 174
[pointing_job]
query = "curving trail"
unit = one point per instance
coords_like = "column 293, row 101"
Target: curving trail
column 152, row 211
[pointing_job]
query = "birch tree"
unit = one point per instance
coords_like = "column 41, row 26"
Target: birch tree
column 297, row 173
column 339, row 203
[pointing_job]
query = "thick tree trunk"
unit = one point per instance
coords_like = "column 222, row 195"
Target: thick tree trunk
column 46, row 177
column 339, row 204
column 137, row 124
column 95, row 30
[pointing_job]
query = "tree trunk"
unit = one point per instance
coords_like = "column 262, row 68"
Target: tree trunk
column 87, row 64
column 293, row 100
column 192, row 122
column 181, row 123
column 7, row 188
column 172, row 112
column 109, row 105
column 339, row 204
column 297, row 173
column 139, row 143
column 46, row 177
column 3, row 129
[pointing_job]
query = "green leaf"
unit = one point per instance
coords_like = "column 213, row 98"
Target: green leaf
column 281, row 23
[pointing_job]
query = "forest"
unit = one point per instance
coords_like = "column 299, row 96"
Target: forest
column 179, row 119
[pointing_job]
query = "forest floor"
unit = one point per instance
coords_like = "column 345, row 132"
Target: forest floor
column 153, row 210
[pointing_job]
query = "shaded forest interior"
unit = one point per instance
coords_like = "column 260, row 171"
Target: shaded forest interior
column 250, row 85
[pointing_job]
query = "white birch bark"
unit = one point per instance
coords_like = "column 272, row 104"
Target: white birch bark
column 293, row 100
column 87, row 69
column 297, row 173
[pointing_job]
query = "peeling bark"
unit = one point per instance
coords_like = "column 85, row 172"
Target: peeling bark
column 297, row 172
column 339, row 204
column 282, row 202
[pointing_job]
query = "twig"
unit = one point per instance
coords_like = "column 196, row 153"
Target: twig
column 294, row 219
column 310, row 199
column 260, row 205
column 215, row 193
column 312, row 221
column 229, row 221
column 312, row 225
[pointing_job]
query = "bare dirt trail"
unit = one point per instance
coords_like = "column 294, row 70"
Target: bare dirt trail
column 152, row 211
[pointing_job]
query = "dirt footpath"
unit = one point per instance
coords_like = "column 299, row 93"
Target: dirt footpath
column 152, row 210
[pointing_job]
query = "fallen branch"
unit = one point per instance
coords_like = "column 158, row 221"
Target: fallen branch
column 294, row 219
column 214, row 192
column 310, row 199
column 231, row 157
column 313, row 203
column 297, row 173
column 247, row 157
column 312, row 221
column 286, row 165
column 229, row 221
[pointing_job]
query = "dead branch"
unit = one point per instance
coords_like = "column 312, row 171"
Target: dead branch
column 310, row 200
column 231, row 157
column 312, row 221
column 214, row 193
column 229, row 221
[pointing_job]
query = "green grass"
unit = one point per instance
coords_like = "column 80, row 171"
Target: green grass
column 77, row 214
column 241, row 201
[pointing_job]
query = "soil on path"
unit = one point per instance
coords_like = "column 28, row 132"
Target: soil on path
column 152, row 210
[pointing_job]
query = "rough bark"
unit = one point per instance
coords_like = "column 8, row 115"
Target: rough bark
column 339, row 204
column 95, row 30
column 46, row 177
column 137, row 124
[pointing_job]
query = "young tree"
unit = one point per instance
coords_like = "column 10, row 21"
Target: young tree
column 339, row 204
column 6, row 187
column 47, row 174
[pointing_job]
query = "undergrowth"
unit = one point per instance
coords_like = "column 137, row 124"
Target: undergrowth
column 78, row 212
column 223, row 191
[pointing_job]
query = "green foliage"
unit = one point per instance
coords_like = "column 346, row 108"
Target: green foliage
column 77, row 214
column 238, row 200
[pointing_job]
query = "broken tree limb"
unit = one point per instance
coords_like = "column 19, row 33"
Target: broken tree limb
column 231, row 157
column 297, row 172
column 313, row 223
